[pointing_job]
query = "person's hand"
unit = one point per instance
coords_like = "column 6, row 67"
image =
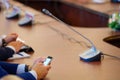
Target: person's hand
column 36, row 61
column 16, row 44
column 11, row 37
column 41, row 59
column 41, row 70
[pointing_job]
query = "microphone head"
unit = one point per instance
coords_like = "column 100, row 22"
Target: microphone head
column 46, row 12
column 43, row 10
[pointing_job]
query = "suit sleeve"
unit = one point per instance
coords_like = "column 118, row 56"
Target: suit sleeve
column 5, row 53
column 10, row 68
column 27, row 76
column 2, row 72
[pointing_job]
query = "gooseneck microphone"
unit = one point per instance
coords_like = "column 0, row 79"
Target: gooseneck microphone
column 90, row 55
column 50, row 14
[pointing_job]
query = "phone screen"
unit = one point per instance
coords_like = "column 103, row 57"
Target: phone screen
column 47, row 61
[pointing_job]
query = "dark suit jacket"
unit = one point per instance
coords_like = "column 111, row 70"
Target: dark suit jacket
column 9, row 68
column 5, row 53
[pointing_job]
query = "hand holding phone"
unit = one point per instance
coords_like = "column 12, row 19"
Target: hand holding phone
column 48, row 60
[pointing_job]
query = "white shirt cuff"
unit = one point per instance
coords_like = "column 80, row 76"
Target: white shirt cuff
column 12, row 48
column 0, row 41
column 33, row 73
column 20, row 68
column 2, row 37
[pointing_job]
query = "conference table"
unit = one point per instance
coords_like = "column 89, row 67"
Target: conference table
column 106, row 7
column 49, row 37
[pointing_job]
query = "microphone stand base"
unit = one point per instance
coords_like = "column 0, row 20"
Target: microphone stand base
column 91, row 56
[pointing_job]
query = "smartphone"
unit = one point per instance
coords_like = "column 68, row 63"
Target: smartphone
column 48, row 60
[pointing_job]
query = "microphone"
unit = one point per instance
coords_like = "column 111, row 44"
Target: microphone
column 27, row 20
column 90, row 55
column 6, row 3
column 50, row 14
column 14, row 14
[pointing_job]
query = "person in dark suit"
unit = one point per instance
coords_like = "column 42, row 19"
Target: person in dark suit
column 37, row 72
column 10, row 46
column 7, row 51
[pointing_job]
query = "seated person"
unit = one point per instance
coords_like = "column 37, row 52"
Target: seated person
column 8, row 51
column 8, row 38
column 37, row 72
